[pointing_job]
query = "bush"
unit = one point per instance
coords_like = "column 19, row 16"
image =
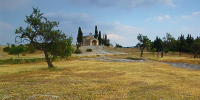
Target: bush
column 118, row 46
column 33, row 60
column 153, row 50
column 89, row 50
column 17, row 61
column 77, row 51
column 166, row 50
column 1, row 62
column 6, row 49
column 27, row 60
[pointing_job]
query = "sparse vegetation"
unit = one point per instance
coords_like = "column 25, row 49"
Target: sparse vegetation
column 78, row 51
column 118, row 46
column 166, row 51
column 104, row 80
column 89, row 50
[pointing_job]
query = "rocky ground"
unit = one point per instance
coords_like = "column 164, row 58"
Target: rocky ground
column 179, row 65
column 101, row 51
column 184, row 65
column 98, row 50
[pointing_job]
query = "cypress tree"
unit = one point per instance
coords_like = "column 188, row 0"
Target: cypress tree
column 99, row 37
column 96, row 32
column 105, row 41
column 80, row 36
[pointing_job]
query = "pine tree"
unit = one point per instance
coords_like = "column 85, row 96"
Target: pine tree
column 96, row 33
column 158, row 44
column 196, row 47
column 189, row 41
column 181, row 44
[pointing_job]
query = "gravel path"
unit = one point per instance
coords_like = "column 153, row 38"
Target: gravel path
column 109, row 59
column 97, row 50
column 100, row 50
column 178, row 65
column 184, row 65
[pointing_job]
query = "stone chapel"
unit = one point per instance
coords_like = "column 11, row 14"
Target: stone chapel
column 90, row 40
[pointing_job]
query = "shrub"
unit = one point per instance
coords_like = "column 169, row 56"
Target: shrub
column 153, row 50
column 17, row 61
column 118, row 46
column 27, row 60
column 166, row 50
column 10, row 59
column 33, row 60
column 89, row 50
column 77, row 51
column 1, row 62
column 6, row 49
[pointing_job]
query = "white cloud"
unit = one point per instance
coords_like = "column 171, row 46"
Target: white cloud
column 187, row 30
column 193, row 16
column 162, row 18
column 146, row 3
column 125, row 35
column 196, row 13
column 124, row 4
column 167, row 2
column 187, row 17
column 13, row 4
column 116, row 39
column 72, row 18
column 5, row 26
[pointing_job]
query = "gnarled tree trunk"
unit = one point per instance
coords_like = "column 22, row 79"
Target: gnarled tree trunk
column 141, row 52
column 50, row 65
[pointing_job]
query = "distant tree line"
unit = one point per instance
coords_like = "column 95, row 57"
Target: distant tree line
column 170, row 44
column 97, row 34
column 16, row 50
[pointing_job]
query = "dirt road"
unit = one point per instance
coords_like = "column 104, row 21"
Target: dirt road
column 98, row 50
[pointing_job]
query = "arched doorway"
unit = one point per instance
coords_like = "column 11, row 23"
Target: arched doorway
column 94, row 42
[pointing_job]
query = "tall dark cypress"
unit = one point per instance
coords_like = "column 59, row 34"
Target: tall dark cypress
column 106, row 41
column 99, row 37
column 96, row 32
column 80, row 36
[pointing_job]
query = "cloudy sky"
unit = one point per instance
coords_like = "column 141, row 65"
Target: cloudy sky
column 121, row 20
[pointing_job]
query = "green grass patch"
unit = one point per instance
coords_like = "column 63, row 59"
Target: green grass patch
column 21, row 61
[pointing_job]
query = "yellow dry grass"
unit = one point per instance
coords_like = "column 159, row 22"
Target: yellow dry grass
column 5, row 55
column 134, row 52
column 98, row 80
column 91, row 79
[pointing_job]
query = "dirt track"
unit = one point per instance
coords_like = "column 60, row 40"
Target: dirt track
column 97, row 50
column 101, row 50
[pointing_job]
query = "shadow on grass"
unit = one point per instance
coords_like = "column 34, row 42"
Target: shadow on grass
column 52, row 69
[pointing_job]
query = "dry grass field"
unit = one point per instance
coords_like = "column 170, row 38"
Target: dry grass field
column 92, row 79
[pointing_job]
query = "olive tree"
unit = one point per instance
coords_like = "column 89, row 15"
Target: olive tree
column 144, row 42
column 41, row 34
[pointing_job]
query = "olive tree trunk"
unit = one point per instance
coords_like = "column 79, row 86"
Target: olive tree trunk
column 50, row 65
column 141, row 52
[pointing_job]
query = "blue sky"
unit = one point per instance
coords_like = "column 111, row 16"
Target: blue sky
column 121, row 20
